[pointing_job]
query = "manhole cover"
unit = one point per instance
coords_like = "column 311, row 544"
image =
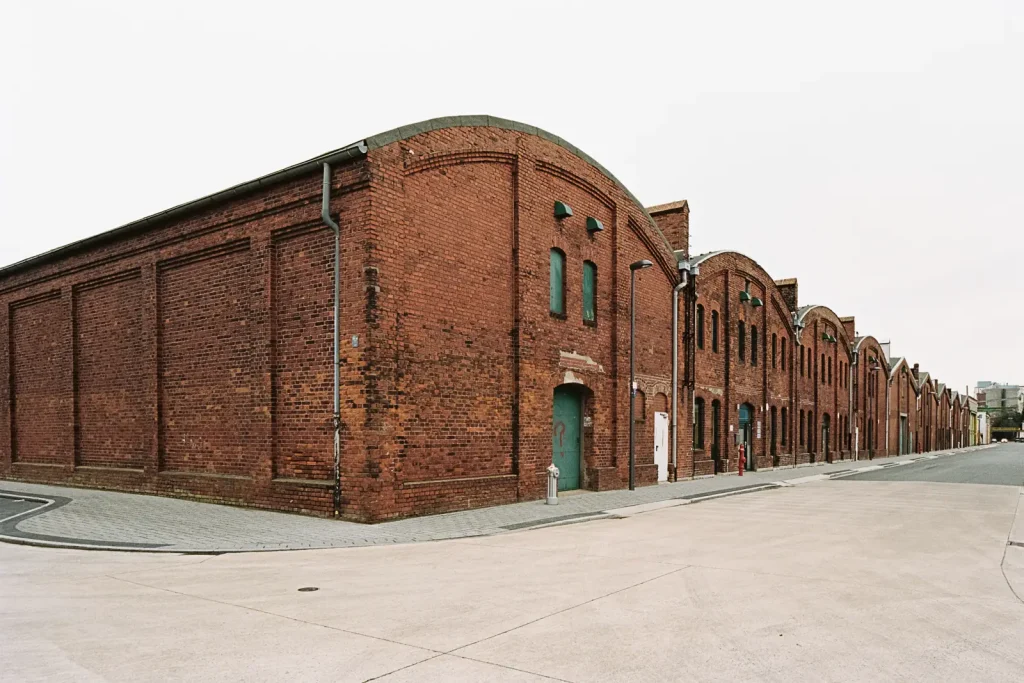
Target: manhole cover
column 308, row 589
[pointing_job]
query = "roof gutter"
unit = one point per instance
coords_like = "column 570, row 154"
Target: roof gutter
column 300, row 170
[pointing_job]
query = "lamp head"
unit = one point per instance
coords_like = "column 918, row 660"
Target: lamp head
column 640, row 265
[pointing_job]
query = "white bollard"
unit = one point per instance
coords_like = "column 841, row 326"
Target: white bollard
column 552, row 484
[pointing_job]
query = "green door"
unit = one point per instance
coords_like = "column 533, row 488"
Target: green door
column 565, row 438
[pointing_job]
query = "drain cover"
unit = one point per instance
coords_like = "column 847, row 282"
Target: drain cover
column 308, row 589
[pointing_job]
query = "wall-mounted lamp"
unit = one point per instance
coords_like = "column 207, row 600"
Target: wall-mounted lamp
column 562, row 210
column 594, row 225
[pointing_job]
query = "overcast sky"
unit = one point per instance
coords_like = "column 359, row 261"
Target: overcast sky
column 874, row 150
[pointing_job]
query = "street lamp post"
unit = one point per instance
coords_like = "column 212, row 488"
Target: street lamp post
column 633, row 267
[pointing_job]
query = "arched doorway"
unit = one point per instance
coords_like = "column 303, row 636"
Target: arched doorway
column 747, row 435
column 826, row 442
column 566, row 441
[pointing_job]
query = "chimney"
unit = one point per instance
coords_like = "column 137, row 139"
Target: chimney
column 916, row 370
column 849, row 326
column 787, row 288
column 674, row 222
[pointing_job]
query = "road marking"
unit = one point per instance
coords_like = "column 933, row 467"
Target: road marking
column 21, row 499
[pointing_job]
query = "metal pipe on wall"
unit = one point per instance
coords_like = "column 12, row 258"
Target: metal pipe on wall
column 325, row 216
column 675, row 370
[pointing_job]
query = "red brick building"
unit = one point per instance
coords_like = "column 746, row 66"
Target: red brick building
column 190, row 353
column 483, row 333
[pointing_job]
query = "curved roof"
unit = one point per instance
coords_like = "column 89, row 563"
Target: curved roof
column 347, row 153
column 700, row 258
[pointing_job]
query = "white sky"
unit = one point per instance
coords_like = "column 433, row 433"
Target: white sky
column 874, row 150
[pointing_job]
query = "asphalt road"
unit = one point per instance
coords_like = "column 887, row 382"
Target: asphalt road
column 1002, row 466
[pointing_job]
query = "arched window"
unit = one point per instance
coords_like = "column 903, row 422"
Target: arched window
column 775, row 343
column 801, row 428
column 698, row 423
column 801, row 362
column 589, row 292
column 714, row 331
column 557, row 282
column 822, row 368
column 785, row 426
column 830, row 371
column 700, row 326
column 753, row 344
column 783, row 353
column 640, row 407
column 741, row 345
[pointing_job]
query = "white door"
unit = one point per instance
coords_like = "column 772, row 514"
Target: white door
column 661, row 445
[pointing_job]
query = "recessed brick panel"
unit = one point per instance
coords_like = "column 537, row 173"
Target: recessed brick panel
column 39, row 378
column 303, row 276
column 205, row 354
column 110, row 365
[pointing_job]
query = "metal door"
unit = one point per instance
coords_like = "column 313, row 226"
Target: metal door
column 565, row 437
column 661, row 445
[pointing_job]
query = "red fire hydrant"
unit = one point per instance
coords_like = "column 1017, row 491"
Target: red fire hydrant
column 742, row 459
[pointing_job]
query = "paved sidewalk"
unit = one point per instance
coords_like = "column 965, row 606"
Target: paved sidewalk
column 86, row 518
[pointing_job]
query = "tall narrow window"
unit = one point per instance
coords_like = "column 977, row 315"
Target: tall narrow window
column 822, row 368
column 784, row 425
column 801, row 428
column 557, row 298
column 716, row 409
column 714, row 331
column 830, row 372
column 801, row 362
column 698, row 423
column 741, row 345
column 700, row 326
column 589, row 292
column 753, row 344
column 783, row 353
column 775, row 344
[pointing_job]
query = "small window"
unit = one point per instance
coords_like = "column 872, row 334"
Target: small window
column 801, row 428
column 714, row 331
column 698, row 423
column 557, row 281
column 783, row 353
column 589, row 292
column 775, row 343
column 700, row 326
column 753, row 344
column 741, row 332
column 785, row 425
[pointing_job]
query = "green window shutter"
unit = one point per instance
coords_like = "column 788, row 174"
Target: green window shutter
column 557, row 300
column 589, row 292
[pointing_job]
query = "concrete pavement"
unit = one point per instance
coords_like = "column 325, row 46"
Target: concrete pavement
column 87, row 518
column 827, row 581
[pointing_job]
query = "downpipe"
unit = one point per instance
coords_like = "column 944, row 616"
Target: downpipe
column 325, row 216
column 675, row 372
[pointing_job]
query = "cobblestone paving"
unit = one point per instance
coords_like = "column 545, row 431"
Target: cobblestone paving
column 108, row 519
